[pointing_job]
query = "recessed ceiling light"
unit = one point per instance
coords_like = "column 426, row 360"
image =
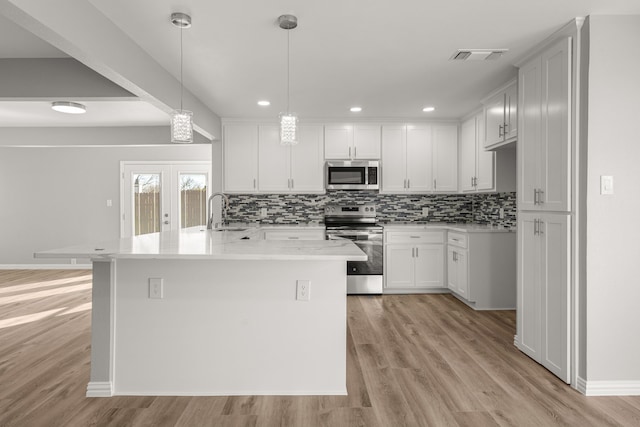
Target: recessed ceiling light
column 428, row 109
column 355, row 109
column 68, row 107
column 264, row 103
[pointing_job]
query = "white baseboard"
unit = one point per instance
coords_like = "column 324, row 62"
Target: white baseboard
column 100, row 389
column 45, row 266
column 608, row 388
column 236, row 393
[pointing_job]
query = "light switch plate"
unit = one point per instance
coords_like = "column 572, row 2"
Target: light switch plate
column 606, row 184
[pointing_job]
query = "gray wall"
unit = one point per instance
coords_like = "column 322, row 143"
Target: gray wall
column 56, row 196
column 613, row 226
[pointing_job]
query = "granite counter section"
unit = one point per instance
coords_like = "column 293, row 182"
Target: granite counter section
column 198, row 243
column 462, row 228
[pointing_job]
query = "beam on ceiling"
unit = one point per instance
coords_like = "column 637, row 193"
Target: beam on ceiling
column 80, row 30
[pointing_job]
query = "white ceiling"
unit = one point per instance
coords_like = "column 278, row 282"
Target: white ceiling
column 390, row 58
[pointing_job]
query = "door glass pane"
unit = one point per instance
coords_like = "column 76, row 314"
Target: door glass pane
column 146, row 208
column 193, row 199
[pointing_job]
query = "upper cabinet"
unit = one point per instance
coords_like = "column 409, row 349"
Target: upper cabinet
column 419, row 159
column 445, row 158
column 351, row 142
column 501, row 117
column 544, row 145
column 476, row 164
column 256, row 162
column 240, row 158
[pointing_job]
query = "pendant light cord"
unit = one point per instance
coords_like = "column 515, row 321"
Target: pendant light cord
column 181, row 84
column 288, row 71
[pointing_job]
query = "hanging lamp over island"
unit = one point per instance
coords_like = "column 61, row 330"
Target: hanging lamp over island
column 288, row 120
column 181, row 120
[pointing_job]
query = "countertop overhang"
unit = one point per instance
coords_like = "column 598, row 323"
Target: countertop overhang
column 198, row 243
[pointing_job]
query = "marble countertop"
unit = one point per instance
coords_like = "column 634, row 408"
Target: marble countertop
column 462, row 228
column 199, row 243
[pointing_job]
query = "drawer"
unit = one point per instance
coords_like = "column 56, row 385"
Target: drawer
column 414, row 237
column 457, row 239
column 294, row 235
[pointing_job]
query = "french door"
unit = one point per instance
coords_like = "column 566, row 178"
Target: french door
column 162, row 196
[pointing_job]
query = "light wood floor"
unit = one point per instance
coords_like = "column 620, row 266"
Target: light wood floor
column 415, row 360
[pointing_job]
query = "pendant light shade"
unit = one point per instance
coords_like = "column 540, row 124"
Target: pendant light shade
column 288, row 120
column 181, row 120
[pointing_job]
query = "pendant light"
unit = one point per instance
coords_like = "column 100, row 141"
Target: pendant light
column 181, row 120
column 288, row 120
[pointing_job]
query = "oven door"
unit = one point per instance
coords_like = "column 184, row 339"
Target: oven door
column 370, row 243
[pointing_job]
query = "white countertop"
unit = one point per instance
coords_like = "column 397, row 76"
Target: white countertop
column 462, row 228
column 199, row 243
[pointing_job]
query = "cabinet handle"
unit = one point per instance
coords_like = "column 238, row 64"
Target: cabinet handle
column 417, row 255
column 292, row 184
column 434, row 184
column 535, row 227
column 540, row 193
column 472, row 184
column 540, row 230
column 414, row 237
column 355, row 152
column 408, row 183
column 535, row 196
column 500, row 131
column 505, row 129
column 404, row 184
column 292, row 238
column 349, row 152
column 254, row 183
column 455, row 256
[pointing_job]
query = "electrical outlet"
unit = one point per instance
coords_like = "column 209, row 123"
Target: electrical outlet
column 109, row 203
column 425, row 211
column 303, row 290
column 155, row 288
column 501, row 213
column 263, row 212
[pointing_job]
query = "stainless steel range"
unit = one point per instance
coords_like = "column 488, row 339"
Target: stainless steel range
column 358, row 223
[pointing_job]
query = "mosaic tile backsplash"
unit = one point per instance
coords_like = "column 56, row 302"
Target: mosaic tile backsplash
column 303, row 208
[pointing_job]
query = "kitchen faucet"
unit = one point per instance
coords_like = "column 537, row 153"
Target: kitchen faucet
column 224, row 207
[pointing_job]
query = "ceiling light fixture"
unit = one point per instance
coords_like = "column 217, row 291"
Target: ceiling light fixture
column 428, row 109
column 68, row 107
column 181, row 120
column 288, row 120
column 355, row 109
column 264, row 103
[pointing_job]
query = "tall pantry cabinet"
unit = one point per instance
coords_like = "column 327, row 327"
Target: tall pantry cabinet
column 544, row 207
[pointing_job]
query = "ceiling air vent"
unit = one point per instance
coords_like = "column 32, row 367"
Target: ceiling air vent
column 477, row 54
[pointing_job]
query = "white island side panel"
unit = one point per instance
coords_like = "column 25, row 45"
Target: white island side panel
column 230, row 328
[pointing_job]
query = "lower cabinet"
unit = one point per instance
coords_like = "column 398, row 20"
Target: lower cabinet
column 458, row 271
column 543, row 290
column 414, row 260
column 481, row 268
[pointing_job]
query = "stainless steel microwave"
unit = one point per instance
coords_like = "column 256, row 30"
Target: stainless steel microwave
column 352, row 175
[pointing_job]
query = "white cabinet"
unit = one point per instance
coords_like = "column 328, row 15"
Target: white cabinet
column 240, row 158
column 285, row 169
column 481, row 268
column 543, row 290
column 477, row 169
column 414, row 260
column 457, row 271
column 445, row 158
column 544, row 146
column 352, row 142
column 294, row 233
column 501, row 116
column 419, row 159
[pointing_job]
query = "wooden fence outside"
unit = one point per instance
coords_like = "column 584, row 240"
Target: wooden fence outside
column 193, row 210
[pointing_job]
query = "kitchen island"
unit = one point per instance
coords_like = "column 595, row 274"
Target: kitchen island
column 201, row 312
